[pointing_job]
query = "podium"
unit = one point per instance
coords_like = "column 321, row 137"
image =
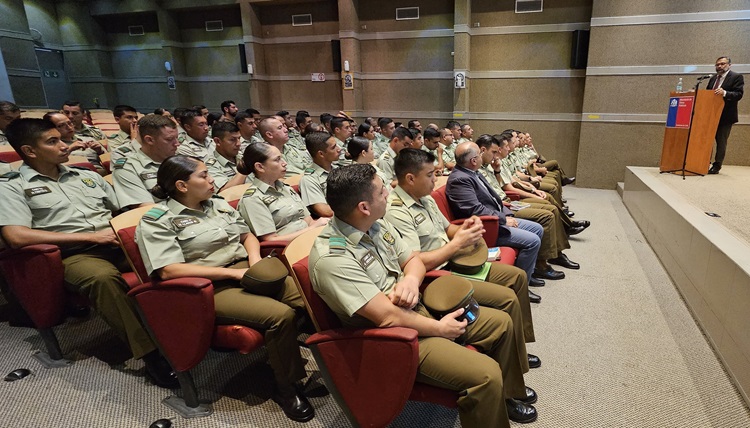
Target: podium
column 690, row 131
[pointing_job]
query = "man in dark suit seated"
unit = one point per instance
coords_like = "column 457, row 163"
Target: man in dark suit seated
column 729, row 85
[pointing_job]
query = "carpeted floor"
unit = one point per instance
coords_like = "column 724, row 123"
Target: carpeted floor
column 619, row 349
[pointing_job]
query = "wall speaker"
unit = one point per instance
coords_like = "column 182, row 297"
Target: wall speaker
column 579, row 52
column 243, row 59
column 336, row 54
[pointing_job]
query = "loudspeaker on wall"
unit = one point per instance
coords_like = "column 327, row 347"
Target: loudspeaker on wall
column 579, row 52
column 336, row 54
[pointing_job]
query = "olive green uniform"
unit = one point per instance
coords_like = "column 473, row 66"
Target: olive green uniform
column 313, row 185
column 272, row 209
column 91, row 132
column 125, row 150
column 296, row 161
column 423, row 227
column 172, row 233
column 386, row 163
column 117, row 139
column 80, row 201
column 191, row 147
column 221, row 169
column 133, row 178
column 296, row 140
column 343, row 161
column 348, row 268
column 380, row 145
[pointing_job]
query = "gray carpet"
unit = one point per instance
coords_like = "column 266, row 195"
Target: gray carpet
column 619, row 349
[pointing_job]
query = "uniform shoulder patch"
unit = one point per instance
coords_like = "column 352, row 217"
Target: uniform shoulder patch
column 10, row 175
column 217, row 196
column 309, row 171
column 336, row 245
column 78, row 167
column 397, row 202
column 251, row 191
column 120, row 162
column 210, row 161
column 154, row 213
column 123, row 149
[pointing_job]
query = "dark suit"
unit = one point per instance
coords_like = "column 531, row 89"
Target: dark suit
column 469, row 194
column 734, row 85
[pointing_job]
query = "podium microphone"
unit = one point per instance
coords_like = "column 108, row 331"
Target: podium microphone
column 707, row 76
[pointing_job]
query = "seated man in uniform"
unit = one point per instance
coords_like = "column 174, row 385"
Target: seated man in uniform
column 275, row 133
column 369, row 277
column 8, row 113
column 247, row 125
column 432, row 146
column 77, row 145
column 383, row 138
column 401, row 138
column 134, row 176
column 222, row 164
column 449, row 150
column 341, row 129
column 74, row 111
column 127, row 118
column 324, row 151
column 46, row 202
column 228, row 111
column 196, row 141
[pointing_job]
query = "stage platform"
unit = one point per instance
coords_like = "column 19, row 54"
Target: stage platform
column 708, row 258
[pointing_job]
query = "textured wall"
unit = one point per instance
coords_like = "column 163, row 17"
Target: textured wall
column 18, row 54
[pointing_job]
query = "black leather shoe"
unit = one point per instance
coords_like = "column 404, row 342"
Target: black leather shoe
column 534, row 363
column 570, row 213
column 564, row 261
column 548, row 273
column 568, row 180
column 714, row 169
column 536, row 282
column 565, row 201
column 574, row 230
column 519, row 411
column 534, row 298
column 582, row 223
column 295, row 406
column 160, row 371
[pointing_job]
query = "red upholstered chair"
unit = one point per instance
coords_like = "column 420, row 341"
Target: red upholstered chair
column 180, row 316
column 491, row 225
column 9, row 156
column 357, row 365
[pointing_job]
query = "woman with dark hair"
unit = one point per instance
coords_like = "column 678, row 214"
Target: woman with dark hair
column 361, row 151
column 272, row 209
column 194, row 233
column 366, row 130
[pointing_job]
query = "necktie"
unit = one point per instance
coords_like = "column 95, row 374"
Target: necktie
column 716, row 84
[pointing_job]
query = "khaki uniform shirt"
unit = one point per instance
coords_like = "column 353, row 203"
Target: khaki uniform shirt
column 191, row 147
column 489, row 174
column 296, row 162
column 91, row 132
column 3, row 139
column 125, row 150
column 134, row 177
column 78, row 201
column 221, row 169
column 277, row 209
column 116, row 140
column 421, row 224
column 449, row 156
column 380, row 145
column 348, row 268
column 506, row 174
column 5, row 167
column 172, row 233
column 343, row 161
column 90, row 154
column 313, row 185
column 385, row 163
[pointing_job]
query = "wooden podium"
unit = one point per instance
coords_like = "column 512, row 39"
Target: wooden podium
column 687, row 149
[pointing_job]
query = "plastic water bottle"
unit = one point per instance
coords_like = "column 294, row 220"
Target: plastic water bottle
column 679, row 85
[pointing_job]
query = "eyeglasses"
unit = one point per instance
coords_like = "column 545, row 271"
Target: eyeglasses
column 721, row 63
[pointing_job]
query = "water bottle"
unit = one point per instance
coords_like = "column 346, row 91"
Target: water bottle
column 679, row 85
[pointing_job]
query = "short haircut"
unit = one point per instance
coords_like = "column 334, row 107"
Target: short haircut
column 486, row 141
column 160, row 111
column 179, row 113
column 26, row 132
column 505, row 136
column 226, row 104
column 151, row 124
column 282, row 113
column 213, row 118
column 384, row 121
column 412, row 123
column 338, row 122
column 348, row 186
column 464, row 126
column 222, row 128
column 431, row 133
column 252, row 111
column 73, row 103
column 172, row 170
column 301, row 117
column 242, row 115
column 316, row 141
column 414, row 132
column 255, row 152
column 312, row 127
column 463, row 158
column 401, row 134
column 265, row 125
column 325, row 118
column 411, row 161
column 119, row 110
column 729, row 60
column 356, row 146
column 9, row 107
column 452, row 124
column 199, row 107
column 189, row 116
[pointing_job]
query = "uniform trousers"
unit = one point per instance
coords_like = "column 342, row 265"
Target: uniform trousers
column 566, row 221
column 527, row 238
column 560, row 225
column 549, row 243
column 482, row 379
column 274, row 316
column 93, row 274
column 515, row 279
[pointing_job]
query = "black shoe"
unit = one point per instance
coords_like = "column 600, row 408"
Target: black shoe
column 160, row 372
column 563, row 200
column 534, row 298
column 581, row 223
column 534, row 363
column 569, row 213
column 536, row 282
column 715, row 168
column 564, row 261
column 295, row 406
column 574, row 230
column 519, row 411
column 568, row 180
column 548, row 273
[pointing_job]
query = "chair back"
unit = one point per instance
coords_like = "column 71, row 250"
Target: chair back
column 295, row 255
column 9, row 156
column 233, row 194
column 124, row 226
column 441, row 199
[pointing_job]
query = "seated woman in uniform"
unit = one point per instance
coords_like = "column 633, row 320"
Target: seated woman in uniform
column 272, row 209
column 194, row 233
column 361, row 151
column 366, row 130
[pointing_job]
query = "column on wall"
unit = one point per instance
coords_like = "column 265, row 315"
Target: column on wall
column 172, row 52
column 252, row 36
column 461, row 55
column 350, row 52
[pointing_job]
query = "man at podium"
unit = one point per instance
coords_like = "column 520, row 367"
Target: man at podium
column 729, row 85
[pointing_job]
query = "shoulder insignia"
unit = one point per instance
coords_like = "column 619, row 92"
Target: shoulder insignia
column 181, row 139
column 397, row 202
column 268, row 200
column 336, row 245
column 10, row 175
column 89, row 182
column 210, row 161
column 387, row 237
column 419, row 219
column 309, row 171
column 120, row 162
column 154, row 213
column 147, row 175
column 78, row 167
column 123, row 149
column 217, row 196
column 250, row 191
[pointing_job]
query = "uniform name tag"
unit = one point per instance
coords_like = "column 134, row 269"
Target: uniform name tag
column 147, row 175
column 37, row 191
column 184, row 222
column 419, row 219
column 231, row 172
column 367, row 260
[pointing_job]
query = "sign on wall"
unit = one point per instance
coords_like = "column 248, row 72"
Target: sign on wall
column 459, row 80
column 171, row 84
column 348, row 81
column 318, row 77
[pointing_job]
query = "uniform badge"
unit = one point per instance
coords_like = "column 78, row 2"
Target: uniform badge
column 309, row 171
column 123, row 149
column 119, row 163
column 336, row 245
column 147, row 175
column 419, row 219
column 250, row 191
column 10, row 175
column 268, row 200
column 210, row 161
column 89, row 182
column 396, row 202
column 183, row 222
column 387, row 237
column 367, row 260
column 34, row 191
column 154, row 213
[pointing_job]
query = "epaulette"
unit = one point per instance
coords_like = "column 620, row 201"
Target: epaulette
column 217, row 196
column 154, row 213
column 250, row 191
column 210, row 161
column 123, row 149
column 397, row 202
column 309, row 170
column 119, row 163
column 10, row 175
column 82, row 168
column 336, row 245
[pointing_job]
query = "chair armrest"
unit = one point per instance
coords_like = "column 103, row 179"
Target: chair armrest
column 430, row 276
column 491, row 225
column 358, row 365
column 266, row 247
column 512, row 195
column 508, row 255
column 180, row 315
